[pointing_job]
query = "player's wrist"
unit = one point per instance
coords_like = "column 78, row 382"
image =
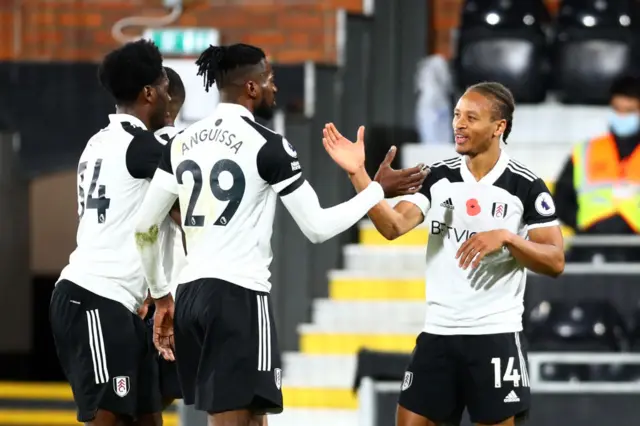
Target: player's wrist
column 360, row 172
column 161, row 297
column 360, row 180
column 506, row 237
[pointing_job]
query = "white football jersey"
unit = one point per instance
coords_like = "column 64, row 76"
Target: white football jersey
column 167, row 133
column 487, row 300
column 227, row 171
column 113, row 176
column 173, row 257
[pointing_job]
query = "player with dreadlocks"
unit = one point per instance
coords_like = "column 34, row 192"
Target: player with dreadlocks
column 490, row 218
column 227, row 171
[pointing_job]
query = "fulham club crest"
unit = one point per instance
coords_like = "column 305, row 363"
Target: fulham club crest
column 277, row 373
column 121, row 386
column 407, row 381
column 499, row 210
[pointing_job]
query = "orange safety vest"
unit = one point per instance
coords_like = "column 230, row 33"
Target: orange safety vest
column 604, row 184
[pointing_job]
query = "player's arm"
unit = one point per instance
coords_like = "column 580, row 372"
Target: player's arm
column 279, row 166
column 160, row 198
column 390, row 222
column 543, row 251
column 393, row 222
column 566, row 196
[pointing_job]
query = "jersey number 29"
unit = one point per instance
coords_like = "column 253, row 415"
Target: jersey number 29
column 232, row 194
column 87, row 200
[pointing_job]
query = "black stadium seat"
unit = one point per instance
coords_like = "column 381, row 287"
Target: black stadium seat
column 552, row 372
column 504, row 41
column 569, row 372
column 585, row 326
column 594, row 43
column 635, row 330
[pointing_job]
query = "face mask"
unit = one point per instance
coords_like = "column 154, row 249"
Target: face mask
column 624, row 124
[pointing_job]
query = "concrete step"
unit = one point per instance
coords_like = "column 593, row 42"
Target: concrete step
column 362, row 257
column 302, row 370
column 336, row 313
column 315, row 417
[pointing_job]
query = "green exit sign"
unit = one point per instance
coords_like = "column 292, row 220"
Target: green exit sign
column 182, row 41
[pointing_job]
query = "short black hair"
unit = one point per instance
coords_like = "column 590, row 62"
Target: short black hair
column 626, row 85
column 176, row 86
column 217, row 61
column 125, row 71
column 503, row 102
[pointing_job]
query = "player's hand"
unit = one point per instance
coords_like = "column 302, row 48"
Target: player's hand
column 399, row 182
column 144, row 309
column 348, row 155
column 163, row 327
column 472, row 251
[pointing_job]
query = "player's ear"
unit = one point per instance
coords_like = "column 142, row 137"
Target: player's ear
column 500, row 128
column 253, row 89
column 149, row 93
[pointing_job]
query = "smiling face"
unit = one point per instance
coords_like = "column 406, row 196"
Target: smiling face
column 475, row 124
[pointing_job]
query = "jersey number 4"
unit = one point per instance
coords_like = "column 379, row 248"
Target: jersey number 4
column 510, row 374
column 233, row 194
column 86, row 199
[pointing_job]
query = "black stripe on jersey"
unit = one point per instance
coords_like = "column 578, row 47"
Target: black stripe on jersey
column 275, row 163
column 144, row 152
column 165, row 160
column 524, row 184
column 447, row 169
column 520, row 169
column 515, row 182
column 295, row 185
column 455, row 161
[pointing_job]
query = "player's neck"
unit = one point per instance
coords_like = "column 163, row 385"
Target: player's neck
column 481, row 164
column 227, row 96
column 133, row 110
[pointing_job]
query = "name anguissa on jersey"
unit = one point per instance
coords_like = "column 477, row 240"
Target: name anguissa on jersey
column 228, row 171
column 217, row 134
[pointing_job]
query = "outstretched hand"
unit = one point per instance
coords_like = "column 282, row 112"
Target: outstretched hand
column 399, row 182
column 348, row 155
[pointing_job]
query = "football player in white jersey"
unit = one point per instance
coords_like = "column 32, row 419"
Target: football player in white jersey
column 101, row 341
column 490, row 218
column 228, row 171
column 171, row 240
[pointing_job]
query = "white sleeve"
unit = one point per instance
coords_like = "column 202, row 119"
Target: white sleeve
column 319, row 224
column 420, row 201
column 155, row 208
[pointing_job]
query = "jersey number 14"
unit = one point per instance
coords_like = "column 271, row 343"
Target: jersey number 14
column 233, row 194
column 510, row 374
column 86, row 199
